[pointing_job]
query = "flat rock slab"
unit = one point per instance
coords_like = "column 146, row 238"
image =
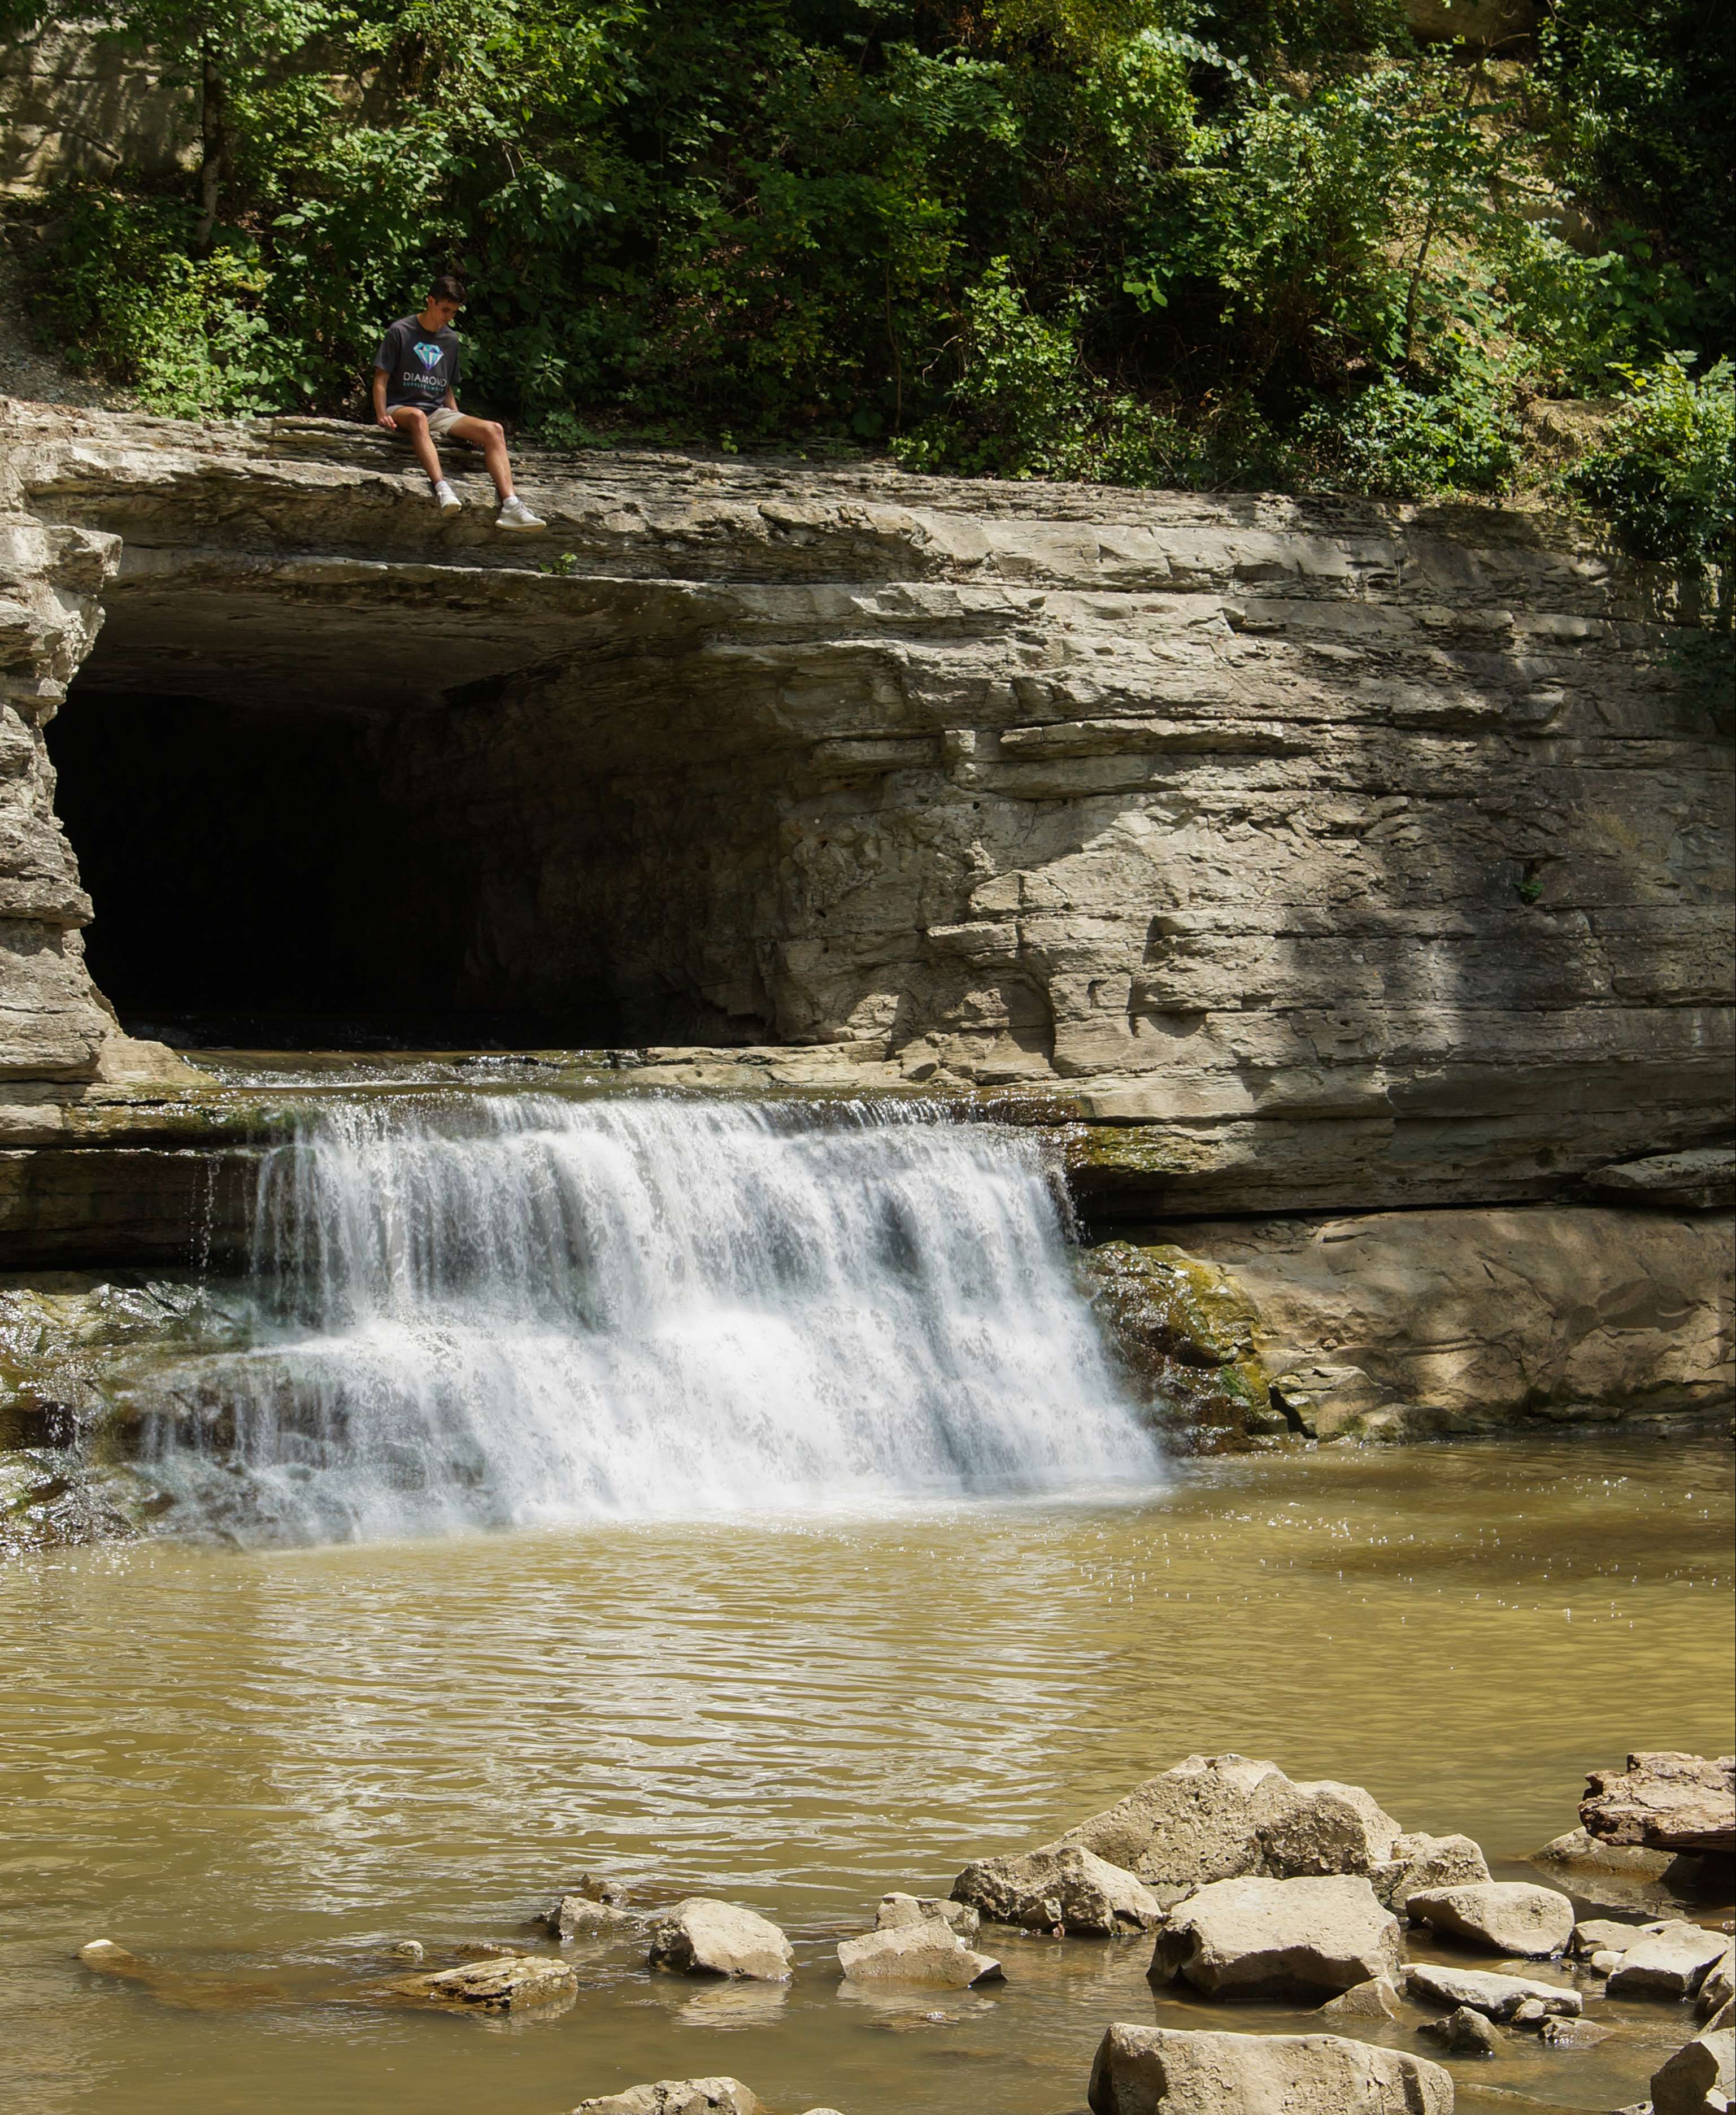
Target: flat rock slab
column 1060, row 1888
column 517, row 1984
column 1606, row 1935
column 1268, row 1939
column 1665, row 1800
column 928, row 1952
column 1509, row 1917
column 678, row 2096
column 1166, row 2071
column 1671, row 1962
column 1703, row 1179
column 1498, row 1996
column 703, row 1937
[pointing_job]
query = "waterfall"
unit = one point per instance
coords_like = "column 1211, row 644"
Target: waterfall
column 488, row 1309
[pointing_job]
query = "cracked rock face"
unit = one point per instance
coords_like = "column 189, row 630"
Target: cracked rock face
column 1329, row 853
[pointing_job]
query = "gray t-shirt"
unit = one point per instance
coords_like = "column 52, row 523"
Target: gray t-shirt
column 419, row 365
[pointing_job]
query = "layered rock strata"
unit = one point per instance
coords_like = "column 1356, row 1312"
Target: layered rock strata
column 1329, row 854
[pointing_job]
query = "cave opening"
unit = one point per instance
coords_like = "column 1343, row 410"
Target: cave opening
column 256, row 886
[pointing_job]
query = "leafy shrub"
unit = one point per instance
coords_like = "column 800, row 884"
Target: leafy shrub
column 1402, row 442
column 1666, row 473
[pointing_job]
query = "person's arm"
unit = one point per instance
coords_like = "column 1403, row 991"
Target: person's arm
column 382, row 364
column 452, row 400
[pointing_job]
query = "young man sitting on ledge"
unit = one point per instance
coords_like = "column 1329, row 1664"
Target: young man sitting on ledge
column 415, row 382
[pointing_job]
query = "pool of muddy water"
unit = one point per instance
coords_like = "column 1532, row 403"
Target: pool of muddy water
column 260, row 1768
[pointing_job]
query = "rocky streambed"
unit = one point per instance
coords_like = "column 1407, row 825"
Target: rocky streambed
column 1258, row 1891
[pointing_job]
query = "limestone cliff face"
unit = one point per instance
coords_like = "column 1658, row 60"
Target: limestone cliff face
column 1325, row 853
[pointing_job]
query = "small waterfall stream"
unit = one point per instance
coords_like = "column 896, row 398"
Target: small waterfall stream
column 490, row 1308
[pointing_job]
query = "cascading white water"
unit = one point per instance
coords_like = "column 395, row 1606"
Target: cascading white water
column 486, row 1309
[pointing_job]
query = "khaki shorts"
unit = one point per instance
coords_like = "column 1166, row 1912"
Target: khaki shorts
column 441, row 417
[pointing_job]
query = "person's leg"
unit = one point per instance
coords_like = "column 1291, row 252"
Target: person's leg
column 491, row 438
column 413, row 425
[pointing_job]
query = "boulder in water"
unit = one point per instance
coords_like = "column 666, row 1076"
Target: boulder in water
column 1672, row 1961
column 1665, row 1800
column 1061, row 1889
column 1509, row 1917
column 1465, row 2033
column 678, row 2096
column 900, row 1909
column 928, row 1952
column 1168, row 2071
column 1222, row 1817
column 1375, row 1999
column 1273, row 1939
column 703, row 1937
column 1720, row 1986
column 1498, row 1996
column 519, row 1983
column 1700, row 2079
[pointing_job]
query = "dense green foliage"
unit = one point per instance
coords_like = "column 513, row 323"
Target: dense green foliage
column 1157, row 240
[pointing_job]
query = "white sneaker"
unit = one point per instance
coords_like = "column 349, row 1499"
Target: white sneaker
column 514, row 514
column 446, row 499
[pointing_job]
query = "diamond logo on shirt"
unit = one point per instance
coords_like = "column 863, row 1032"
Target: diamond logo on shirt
column 428, row 355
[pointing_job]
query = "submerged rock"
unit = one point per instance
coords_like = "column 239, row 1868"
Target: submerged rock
column 1061, row 1888
column 1169, row 2071
column 519, row 1983
column 1465, row 2033
column 1500, row 1997
column 1573, row 2033
column 1509, row 1917
column 704, row 1937
column 1269, row 1939
column 897, row 1909
column 1672, row 1961
column 928, row 1952
column 678, row 2096
column 582, row 1915
column 1665, row 1800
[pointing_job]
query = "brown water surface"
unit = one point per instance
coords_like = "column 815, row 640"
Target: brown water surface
column 258, row 1769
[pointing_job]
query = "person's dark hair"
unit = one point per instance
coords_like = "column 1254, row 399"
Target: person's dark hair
column 446, row 288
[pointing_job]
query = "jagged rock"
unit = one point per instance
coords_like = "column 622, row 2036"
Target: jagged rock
column 1702, row 1179
column 898, row 1909
column 1671, row 1962
column 1700, row 2079
column 1060, row 1888
column 1465, row 2033
column 1420, row 1862
column 578, row 1916
column 1498, row 1996
column 1720, row 1986
column 1375, row 1999
column 521, row 1983
column 407, row 1949
column 1325, row 1400
column 1508, row 1917
column 1222, row 1817
column 702, row 1936
column 1268, row 1939
column 678, row 2096
column 928, row 1951
column 1168, row 2071
column 1665, row 1800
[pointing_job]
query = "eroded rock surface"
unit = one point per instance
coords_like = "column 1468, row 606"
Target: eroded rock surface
column 1167, row 2071
column 678, row 2096
column 1421, row 1862
column 927, row 1951
column 1061, row 1888
column 1664, row 1801
column 897, row 1909
column 1330, row 855
column 520, row 1982
column 1502, row 1916
column 1500, row 1997
column 1672, row 1961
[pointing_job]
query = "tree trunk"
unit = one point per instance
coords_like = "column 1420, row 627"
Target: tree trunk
column 213, row 133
